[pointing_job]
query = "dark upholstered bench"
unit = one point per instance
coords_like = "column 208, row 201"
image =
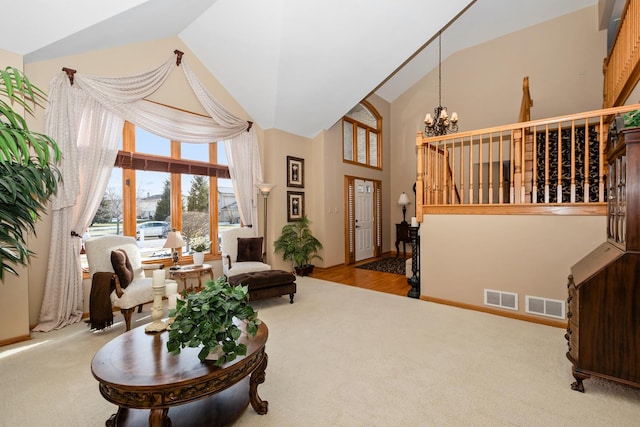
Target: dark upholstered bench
column 266, row 284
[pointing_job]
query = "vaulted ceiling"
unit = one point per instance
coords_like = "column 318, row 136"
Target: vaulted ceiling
column 295, row 65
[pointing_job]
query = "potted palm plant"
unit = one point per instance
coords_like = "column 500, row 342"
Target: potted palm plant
column 215, row 319
column 29, row 176
column 298, row 245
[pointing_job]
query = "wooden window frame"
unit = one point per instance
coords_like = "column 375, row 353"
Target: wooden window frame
column 129, row 160
column 346, row 121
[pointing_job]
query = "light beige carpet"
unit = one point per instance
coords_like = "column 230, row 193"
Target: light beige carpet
column 344, row 356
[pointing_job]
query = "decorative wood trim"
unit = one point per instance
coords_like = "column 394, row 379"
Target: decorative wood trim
column 350, row 212
column 150, row 162
column 16, row 339
column 575, row 209
column 518, row 316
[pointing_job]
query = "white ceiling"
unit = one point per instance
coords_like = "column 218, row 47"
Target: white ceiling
column 295, row 65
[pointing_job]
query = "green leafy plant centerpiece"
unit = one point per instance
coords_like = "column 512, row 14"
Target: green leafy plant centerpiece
column 29, row 176
column 211, row 318
column 298, row 244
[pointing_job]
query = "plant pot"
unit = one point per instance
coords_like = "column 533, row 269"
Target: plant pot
column 198, row 258
column 214, row 355
column 304, row 270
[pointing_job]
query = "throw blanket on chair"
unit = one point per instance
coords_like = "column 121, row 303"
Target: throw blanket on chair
column 100, row 310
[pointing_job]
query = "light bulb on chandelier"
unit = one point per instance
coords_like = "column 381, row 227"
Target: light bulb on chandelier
column 440, row 123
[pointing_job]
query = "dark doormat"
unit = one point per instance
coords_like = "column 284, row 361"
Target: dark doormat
column 387, row 265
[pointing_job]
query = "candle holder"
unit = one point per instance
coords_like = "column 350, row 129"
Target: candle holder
column 157, row 310
column 414, row 280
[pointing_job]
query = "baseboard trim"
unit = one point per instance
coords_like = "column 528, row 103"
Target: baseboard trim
column 14, row 340
column 512, row 315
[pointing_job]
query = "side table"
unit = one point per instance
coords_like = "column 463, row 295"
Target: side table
column 402, row 235
column 191, row 271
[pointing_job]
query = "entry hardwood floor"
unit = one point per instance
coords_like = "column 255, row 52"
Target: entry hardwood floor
column 378, row 281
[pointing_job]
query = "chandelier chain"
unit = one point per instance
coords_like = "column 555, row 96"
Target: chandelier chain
column 441, row 123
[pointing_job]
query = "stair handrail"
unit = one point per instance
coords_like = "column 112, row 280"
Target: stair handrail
column 514, row 133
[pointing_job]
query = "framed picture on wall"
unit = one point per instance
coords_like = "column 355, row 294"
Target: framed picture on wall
column 295, row 206
column 295, row 172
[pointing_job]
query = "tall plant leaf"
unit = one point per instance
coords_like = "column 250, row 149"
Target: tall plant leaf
column 29, row 176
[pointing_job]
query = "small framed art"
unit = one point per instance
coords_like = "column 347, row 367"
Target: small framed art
column 295, row 206
column 295, row 172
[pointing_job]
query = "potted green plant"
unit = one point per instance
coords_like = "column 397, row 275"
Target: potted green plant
column 28, row 172
column 212, row 318
column 632, row 119
column 297, row 244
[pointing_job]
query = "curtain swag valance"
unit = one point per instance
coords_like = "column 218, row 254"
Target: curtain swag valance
column 85, row 115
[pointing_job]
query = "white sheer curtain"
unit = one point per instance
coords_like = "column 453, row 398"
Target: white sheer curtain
column 86, row 120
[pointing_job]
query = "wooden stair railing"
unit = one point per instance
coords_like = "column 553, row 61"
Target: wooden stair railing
column 525, row 116
column 472, row 161
column 439, row 180
column 622, row 67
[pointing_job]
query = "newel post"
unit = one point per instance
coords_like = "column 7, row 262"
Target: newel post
column 414, row 280
column 517, row 172
column 419, row 176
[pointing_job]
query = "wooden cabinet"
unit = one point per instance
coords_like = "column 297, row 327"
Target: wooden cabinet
column 603, row 330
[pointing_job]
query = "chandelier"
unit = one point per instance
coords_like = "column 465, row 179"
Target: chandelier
column 440, row 123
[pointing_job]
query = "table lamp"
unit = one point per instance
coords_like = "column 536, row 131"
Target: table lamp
column 174, row 240
column 404, row 201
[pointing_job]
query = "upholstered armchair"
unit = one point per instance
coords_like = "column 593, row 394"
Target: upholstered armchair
column 117, row 279
column 242, row 252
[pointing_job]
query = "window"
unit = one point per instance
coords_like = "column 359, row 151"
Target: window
column 158, row 185
column 361, row 136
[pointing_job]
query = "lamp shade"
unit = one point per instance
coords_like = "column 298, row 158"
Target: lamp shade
column 265, row 188
column 404, row 199
column 174, row 240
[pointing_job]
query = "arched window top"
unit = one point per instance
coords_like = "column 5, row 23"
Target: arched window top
column 363, row 114
column 362, row 136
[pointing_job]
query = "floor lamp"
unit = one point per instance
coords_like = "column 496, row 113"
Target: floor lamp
column 265, row 189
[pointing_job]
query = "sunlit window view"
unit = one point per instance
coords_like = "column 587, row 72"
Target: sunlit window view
column 139, row 202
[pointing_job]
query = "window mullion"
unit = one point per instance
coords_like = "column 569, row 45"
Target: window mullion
column 176, row 191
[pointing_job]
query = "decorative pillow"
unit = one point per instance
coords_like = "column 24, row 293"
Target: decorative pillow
column 122, row 267
column 249, row 249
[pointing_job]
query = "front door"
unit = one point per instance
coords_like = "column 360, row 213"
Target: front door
column 364, row 219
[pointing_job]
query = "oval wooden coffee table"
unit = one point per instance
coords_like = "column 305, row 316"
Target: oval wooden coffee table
column 153, row 387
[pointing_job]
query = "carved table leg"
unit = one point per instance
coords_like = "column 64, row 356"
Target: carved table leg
column 111, row 422
column 159, row 418
column 257, row 377
column 579, row 376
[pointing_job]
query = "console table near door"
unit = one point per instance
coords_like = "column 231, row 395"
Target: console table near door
column 402, row 235
column 155, row 388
